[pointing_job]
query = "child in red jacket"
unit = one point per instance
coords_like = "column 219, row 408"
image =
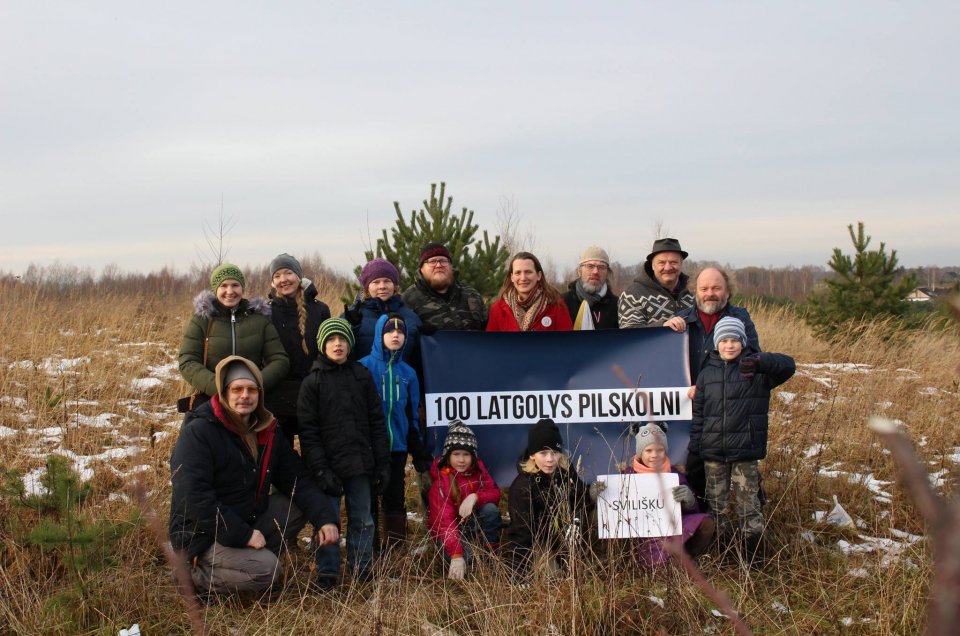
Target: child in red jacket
column 464, row 499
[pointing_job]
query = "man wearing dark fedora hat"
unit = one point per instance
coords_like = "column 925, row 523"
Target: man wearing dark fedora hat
column 660, row 291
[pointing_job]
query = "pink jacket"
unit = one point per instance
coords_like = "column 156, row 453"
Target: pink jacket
column 444, row 519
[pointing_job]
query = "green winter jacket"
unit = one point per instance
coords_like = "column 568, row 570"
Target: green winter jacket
column 247, row 332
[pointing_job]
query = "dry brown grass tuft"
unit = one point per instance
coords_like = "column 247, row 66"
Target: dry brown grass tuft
column 65, row 363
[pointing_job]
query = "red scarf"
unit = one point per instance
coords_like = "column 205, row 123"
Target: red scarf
column 709, row 321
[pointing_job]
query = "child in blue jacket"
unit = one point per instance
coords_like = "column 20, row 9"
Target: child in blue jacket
column 399, row 391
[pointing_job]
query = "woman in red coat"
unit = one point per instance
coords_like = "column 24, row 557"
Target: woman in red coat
column 527, row 302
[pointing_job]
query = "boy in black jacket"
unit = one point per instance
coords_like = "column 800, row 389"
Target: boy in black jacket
column 730, row 411
column 343, row 436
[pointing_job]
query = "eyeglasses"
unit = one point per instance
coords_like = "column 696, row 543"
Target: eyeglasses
column 600, row 267
column 438, row 261
column 240, row 390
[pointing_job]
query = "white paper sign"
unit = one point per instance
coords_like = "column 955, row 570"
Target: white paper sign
column 638, row 506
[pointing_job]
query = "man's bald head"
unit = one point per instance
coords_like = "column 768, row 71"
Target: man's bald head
column 712, row 290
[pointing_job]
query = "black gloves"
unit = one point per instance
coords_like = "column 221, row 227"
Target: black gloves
column 381, row 478
column 353, row 316
column 329, row 483
column 748, row 365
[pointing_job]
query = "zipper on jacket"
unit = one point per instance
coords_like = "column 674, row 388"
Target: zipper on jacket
column 233, row 331
column 723, row 404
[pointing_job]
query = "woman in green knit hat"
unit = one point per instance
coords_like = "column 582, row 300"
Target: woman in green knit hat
column 224, row 323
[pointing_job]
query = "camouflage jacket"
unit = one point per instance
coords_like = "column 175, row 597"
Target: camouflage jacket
column 460, row 309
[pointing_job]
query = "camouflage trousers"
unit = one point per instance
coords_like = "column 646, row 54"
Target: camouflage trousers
column 743, row 479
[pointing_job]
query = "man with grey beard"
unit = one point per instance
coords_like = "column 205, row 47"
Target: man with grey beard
column 712, row 295
column 591, row 286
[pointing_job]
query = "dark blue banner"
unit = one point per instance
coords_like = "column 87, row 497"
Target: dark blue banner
column 594, row 384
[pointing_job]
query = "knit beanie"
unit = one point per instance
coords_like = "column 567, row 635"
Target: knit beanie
column 394, row 323
column 650, row 434
column 378, row 268
column 544, row 435
column 594, row 253
column 286, row 261
column 459, row 437
column 434, row 249
column 729, row 327
column 237, row 370
column 227, row 271
column 332, row 326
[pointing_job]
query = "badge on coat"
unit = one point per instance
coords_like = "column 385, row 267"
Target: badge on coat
column 546, row 321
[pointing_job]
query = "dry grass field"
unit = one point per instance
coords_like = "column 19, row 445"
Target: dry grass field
column 95, row 379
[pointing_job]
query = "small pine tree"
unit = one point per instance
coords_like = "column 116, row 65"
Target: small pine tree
column 480, row 262
column 868, row 284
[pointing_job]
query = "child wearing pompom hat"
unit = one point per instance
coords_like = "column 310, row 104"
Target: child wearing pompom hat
column 697, row 527
column 380, row 295
column 549, row 504
column 343, row 436
column 729, row 429
column 464, row 499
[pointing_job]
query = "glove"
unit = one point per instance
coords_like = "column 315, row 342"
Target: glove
column 596, row 488
column 422, row 465
column 353, row 316
column 330, row 483
column 748, row 365
column 381, row 480
column 427, row 329
column 424, row 481
column 458, row 567
column 684, row 496
column 466, row 506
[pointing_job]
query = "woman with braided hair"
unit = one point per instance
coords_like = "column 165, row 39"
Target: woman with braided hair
column 527, row 301
column 297, row 314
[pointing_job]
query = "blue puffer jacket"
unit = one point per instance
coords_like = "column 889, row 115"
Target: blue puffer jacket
column 398, row 388
column 730, row 412
column 372, row 309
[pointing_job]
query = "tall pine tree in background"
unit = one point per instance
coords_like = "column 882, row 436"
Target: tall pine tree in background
column 480, row 262
column 868, row 284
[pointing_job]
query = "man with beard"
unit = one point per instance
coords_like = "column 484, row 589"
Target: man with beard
column 660, row 291
column 440, row 299
column 591, row 286
column 713, row 292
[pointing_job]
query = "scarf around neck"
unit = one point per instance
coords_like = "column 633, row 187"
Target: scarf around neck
column 591, row 298
column 641, row 469
column 527, row 311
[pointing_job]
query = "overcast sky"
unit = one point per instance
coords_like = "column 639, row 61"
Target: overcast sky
column 754, row 131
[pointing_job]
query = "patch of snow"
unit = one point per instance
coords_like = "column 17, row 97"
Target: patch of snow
column 22, row 364
column 718, row 613
column 67, row 332
column 786, row 396
column 884, row 405
column 827, row 382
column 27, row 418
column 910, row 372
column 846, row 621
column 75, row 403
column 145, row 383
column 930, row 390
column 656, row 600
column 906, row 536
column 859, row 573
column 936, row 479
column 159, row 435
column 6, row 431
column 171, row 370
column 780, row 608
column 923, row 441
column 18, row 402
column 118, row 496
column 95, row 421
column 814, row 450
column 884, row 500
column 870, row 482
column 415, row 517
column 837, row 366
column 52, row 365
column 954, row 457
column 143, row 344
column 31, row 482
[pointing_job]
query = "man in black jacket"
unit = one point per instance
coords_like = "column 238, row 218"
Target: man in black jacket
column 223, row 516
column 591, row 286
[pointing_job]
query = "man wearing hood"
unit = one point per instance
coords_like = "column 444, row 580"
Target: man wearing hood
column 440, row 299
column 660, row 291
column 223, row 516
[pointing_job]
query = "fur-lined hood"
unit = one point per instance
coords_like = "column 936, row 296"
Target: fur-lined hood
column 206, row 306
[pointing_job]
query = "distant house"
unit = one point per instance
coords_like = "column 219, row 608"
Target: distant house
column 922, row 295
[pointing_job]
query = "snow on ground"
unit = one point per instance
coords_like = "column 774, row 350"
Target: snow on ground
column 54, row 366
column 814, row 450
column 95, row 421
column 22, row 364
column 883, row 406
column 838, row 366
column 891, row 549
column 871, row 483
column 786, row 397
column 6, row 431
column 17, row 402
column 145, row 383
